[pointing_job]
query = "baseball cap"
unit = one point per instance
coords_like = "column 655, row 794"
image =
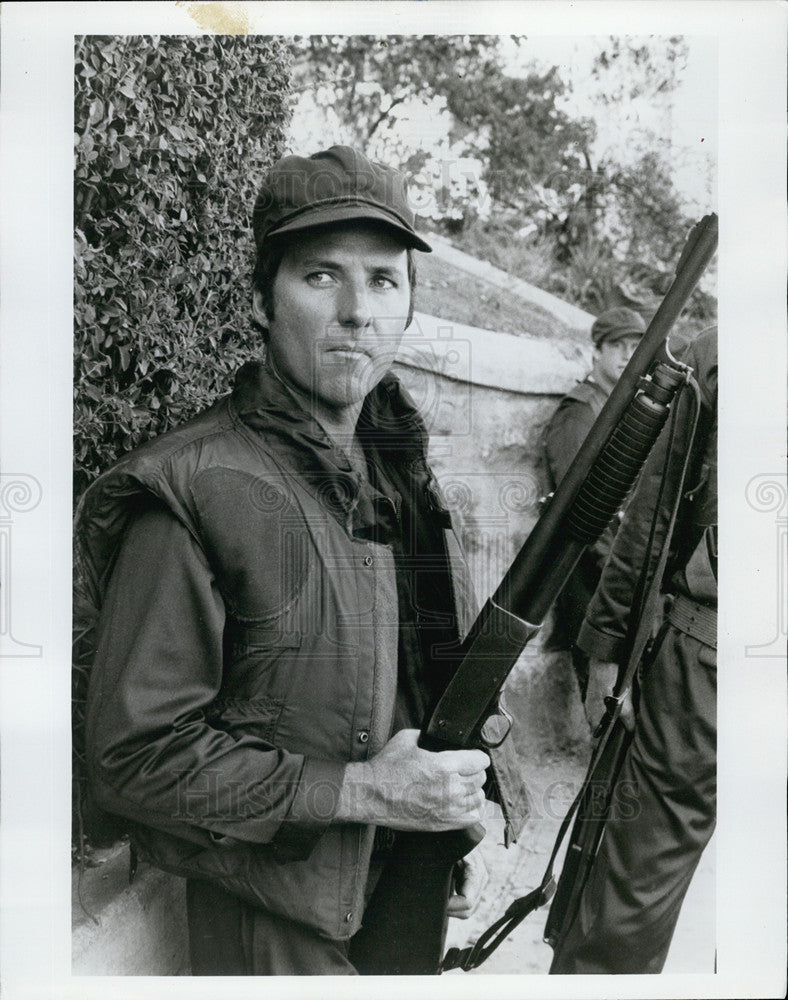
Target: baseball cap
column 335, row 185
column 615, row 324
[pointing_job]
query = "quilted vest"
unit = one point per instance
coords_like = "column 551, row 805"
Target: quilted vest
column 290, row 536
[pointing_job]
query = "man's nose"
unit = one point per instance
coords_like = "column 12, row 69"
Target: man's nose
column 353, row 308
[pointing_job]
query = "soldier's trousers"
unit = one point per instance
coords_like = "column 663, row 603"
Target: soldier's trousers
column 662, row 818
column 229, row 937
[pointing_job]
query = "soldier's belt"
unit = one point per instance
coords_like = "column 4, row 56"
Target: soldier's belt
column 693, row 619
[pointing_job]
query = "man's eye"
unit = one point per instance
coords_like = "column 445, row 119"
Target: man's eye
column 382, row 281
column 319, row 278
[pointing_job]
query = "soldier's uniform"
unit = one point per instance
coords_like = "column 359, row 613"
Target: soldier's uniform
column 657, row 831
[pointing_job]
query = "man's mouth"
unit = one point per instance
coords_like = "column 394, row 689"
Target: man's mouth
column 348, row 352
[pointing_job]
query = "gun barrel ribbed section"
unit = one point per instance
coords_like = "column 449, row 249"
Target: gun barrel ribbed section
column 607, row 487
column 541, row 570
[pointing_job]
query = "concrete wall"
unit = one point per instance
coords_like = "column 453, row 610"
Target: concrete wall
column 486, row 397
column 574, row 318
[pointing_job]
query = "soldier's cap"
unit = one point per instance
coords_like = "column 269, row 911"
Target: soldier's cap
column 335, row 185
column 615, row 324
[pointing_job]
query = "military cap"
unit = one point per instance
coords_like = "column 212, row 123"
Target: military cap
column 614, row 324
column 335, row 185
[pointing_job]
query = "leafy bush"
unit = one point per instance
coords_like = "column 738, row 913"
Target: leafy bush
column 172, row 135
column 595, row 275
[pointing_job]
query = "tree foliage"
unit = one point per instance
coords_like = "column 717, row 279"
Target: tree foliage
column 172, row 135
column 506, row 134
column 628, row 68
column 515, row 167
column 517, row 125
column 364, row 79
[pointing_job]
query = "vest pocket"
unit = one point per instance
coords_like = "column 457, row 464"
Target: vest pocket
column 243, row 638
column 261, row 664
column 238, row 717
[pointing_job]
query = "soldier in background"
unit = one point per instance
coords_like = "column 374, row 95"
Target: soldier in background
column 615, row 334
column 655, row 836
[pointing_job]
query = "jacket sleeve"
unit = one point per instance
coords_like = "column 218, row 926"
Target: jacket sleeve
column 607, row 618
column 152, row 757
column 566, row 431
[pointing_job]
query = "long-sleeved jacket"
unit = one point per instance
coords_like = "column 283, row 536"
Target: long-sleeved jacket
column 247, row 649
column 691, row 568
column 569, row 425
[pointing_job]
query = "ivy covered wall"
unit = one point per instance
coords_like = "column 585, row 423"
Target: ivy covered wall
column 172, row 136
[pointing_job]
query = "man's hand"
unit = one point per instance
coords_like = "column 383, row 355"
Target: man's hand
column 407, row 788
column 470, row 878
column 601, row 680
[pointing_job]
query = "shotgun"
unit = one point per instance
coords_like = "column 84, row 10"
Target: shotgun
column 412, row 904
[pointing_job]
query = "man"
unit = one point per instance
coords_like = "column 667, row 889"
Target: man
column 653, row 842
column 615, row 335
column 277, row 579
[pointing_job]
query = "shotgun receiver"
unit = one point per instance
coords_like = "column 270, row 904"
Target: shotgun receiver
column 584, row 503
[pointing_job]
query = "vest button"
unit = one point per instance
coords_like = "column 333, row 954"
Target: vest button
column 363, row 736
column 348, row 916
column 367, row 560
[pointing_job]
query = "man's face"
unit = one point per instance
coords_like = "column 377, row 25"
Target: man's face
column 340, row 303
column 613, row 356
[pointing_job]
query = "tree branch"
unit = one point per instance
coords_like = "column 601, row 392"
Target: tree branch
column 384, row 115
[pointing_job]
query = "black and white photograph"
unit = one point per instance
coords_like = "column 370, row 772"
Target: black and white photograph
column 368, row 501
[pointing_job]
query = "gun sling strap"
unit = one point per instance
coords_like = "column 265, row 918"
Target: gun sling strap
column 644, row 604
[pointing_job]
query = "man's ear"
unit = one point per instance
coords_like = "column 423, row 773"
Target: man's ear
column 258, row 309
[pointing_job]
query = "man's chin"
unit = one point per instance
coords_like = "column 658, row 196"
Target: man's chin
column 354, row 384
column 340, row 396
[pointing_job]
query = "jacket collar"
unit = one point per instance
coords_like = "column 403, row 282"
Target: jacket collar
column 389, row 427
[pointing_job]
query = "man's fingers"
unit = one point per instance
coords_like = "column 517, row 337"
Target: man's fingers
column 628, row 712
column 463, row 762
column 459, row 907
column 471, row 877
column 476, row 801
column 468, row 762
column 475, row 878
column 470, row 782
column 405, row 738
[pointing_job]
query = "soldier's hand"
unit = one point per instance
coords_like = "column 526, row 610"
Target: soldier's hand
column 601, row 680
column 470, row 878
column 407, row 788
